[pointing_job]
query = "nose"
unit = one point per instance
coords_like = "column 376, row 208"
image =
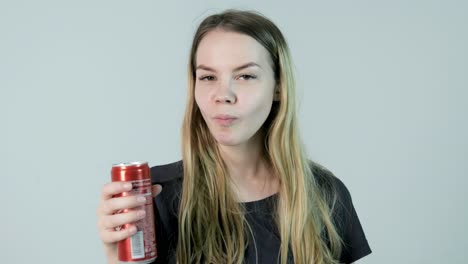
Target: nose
column 225, row 94
column 225, row 99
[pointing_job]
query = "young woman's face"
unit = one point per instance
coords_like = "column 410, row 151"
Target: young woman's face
column 234, row 86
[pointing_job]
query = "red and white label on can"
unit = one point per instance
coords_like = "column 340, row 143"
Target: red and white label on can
column 143, row 241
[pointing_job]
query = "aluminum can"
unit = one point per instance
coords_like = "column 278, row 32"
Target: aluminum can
column 141, row 247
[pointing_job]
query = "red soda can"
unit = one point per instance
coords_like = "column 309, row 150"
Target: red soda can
column 141, row 247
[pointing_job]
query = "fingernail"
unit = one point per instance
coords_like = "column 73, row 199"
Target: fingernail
column 141, row 213
column 141, row 199
column 128, row 186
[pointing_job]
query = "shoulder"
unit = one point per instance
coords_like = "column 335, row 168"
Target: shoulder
column 167, row 173
column 166, row 206
column 330, row 184
column 335, row 193
column 170, row 177
column 344, row 214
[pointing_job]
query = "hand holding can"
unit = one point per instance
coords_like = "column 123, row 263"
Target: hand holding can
column 122, row 214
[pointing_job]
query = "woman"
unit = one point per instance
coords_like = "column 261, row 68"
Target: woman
column 244, row 191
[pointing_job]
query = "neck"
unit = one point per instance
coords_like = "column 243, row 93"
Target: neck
column 248, row 170
column 244, row 161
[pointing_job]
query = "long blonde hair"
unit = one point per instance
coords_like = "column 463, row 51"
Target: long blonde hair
column 212, row 226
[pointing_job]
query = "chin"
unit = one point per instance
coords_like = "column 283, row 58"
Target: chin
column 227, row 140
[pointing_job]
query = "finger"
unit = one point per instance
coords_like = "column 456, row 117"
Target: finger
column 114, row 204
column 156, row 189
column 113, row 221
column 111, row 236
column 113, row 188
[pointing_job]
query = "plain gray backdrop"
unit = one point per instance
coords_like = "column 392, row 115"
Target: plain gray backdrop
column 383, row 105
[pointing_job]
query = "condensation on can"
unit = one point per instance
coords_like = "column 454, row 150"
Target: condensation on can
column 141, row 247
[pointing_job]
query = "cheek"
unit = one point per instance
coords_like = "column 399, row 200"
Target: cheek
column 201, row 101
column 258, row 104
column 198, row 97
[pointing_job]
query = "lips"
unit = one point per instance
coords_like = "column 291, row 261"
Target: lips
column 224, row 117
column 225, row 120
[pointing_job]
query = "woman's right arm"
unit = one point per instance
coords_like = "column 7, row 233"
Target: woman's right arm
column 108, row 220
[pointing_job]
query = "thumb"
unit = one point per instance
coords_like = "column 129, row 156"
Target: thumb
column 156, row 189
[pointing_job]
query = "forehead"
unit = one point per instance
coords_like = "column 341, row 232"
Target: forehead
column 223, row 49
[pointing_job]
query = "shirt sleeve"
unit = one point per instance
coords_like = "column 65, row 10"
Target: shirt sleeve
column 355, row 245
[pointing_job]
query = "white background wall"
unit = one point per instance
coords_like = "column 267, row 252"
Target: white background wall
column 85, row 84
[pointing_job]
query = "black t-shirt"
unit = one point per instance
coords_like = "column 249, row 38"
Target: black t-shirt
column 266, row 248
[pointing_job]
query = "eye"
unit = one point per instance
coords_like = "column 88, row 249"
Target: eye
column 206, row 78
column 247, row 77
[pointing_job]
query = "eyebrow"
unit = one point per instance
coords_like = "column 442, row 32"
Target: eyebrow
column 247, row 65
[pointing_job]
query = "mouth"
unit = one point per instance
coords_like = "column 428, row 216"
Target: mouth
column 225, row 120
